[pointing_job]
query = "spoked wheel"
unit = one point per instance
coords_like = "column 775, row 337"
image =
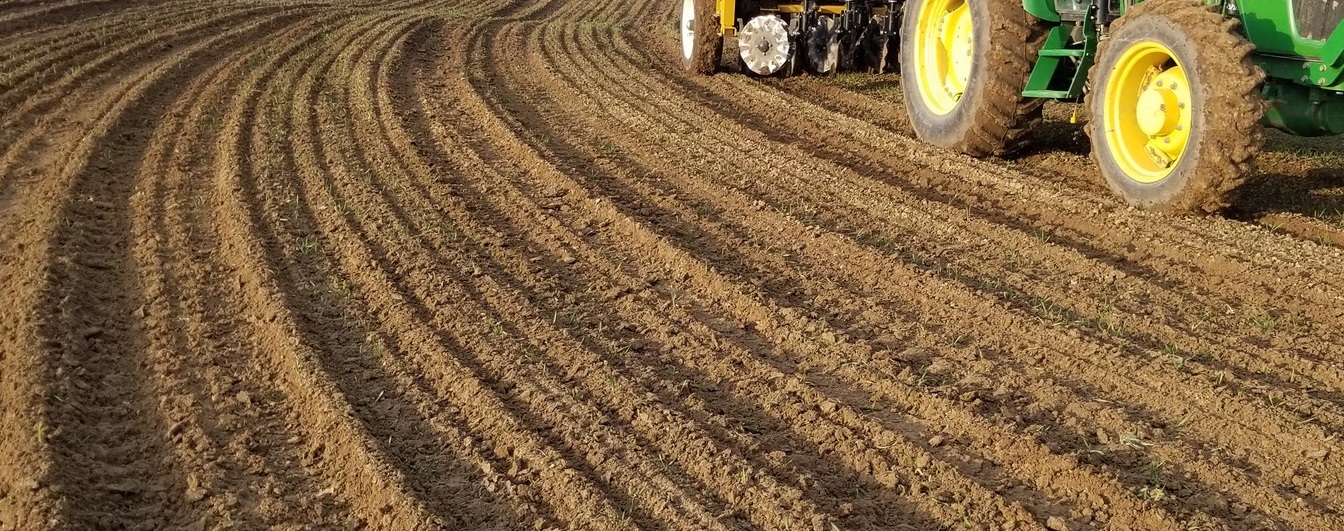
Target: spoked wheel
column 963, row 65
column 701, row 44
column 765, row 48
column 1176, row 107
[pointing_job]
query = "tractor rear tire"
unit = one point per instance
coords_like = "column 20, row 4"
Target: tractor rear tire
column 1201, row 174
column 701, row 44
column 990, row 117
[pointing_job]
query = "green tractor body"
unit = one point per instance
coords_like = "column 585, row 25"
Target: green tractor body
column 1177, row 92
column 1296, row 45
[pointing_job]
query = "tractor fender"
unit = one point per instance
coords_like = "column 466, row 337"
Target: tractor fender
column 1042, row 9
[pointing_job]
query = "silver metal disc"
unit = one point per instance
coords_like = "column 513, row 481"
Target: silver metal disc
column 764, row 44
column 823, row 52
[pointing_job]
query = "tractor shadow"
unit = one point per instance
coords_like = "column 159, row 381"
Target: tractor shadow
column 1061, row 132
column 1297, row 176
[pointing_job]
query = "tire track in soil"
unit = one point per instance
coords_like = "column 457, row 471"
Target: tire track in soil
column 25, row 439
column 71, row 12
column 101, row 417
column 32, row 133
column 34, row 58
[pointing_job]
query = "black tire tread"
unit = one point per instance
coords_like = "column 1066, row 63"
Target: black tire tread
column 708, row 50
column 1232, row 137
column 1006, row 117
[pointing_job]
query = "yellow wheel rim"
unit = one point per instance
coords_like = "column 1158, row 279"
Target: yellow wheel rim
column 945, row 47
column 1148, row 109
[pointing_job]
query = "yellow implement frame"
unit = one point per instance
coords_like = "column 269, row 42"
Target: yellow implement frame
column 728, row 13
column 728, row 17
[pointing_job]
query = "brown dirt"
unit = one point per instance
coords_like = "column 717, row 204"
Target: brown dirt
column 502, row 265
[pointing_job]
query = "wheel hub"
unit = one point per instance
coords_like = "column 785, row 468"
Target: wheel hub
column 945, row 41
column 1148, row 112
column 1162, row 114
column 960, row 44
column 1155, row 111
column 823, row 46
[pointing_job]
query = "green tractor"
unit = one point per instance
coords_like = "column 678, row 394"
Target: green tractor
column 1177, row 92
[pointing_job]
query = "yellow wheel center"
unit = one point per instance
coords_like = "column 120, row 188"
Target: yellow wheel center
column 960, row 45
column 945, row 44
column 1157, row 112
column 1148, row 112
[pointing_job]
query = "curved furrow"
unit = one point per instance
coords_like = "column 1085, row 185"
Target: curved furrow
column 251, row 211
column 47, row 96
column 1146, row 317
column 70, row 273
column 541, row 399
column 493, row 179
column 549, row 135
column 46, row 14
column 42, row 150
column 491, row 84
column 53, row 116
column 733, row 492
column 35, row 60
column 667, row 500
column 501, row 433
column 517, row 315
column 242, row 461
column 730, row 210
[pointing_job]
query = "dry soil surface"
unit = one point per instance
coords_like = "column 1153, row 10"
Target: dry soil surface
column 462, row 264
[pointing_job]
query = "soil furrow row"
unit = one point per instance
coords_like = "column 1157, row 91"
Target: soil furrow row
column 496, row 85
column 61, row 264
column 553, row 343
column 1125, row 298
column 231, row 425
column 337, row 445
column 38, row 59
column 497, row 424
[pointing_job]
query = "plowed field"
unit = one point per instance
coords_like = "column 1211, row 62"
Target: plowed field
column 501, row 265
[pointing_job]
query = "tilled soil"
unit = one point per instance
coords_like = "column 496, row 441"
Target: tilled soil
column 501, row 265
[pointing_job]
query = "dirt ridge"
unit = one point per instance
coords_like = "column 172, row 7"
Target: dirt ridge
column 439, row 264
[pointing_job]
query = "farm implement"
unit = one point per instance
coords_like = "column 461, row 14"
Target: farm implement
column 1176, row 92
